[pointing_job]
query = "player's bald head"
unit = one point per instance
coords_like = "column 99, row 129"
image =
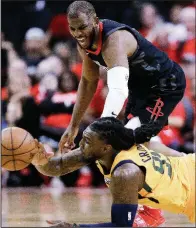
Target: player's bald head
column 77, row 7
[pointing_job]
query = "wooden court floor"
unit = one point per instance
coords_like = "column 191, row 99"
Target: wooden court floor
column 29, row 207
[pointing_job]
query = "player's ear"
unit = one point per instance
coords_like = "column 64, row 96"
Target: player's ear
column 107, row 148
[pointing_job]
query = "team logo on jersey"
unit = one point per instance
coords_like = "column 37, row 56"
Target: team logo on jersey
column 156, row 111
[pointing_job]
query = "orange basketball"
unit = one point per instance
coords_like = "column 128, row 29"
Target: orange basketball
column 17, row 148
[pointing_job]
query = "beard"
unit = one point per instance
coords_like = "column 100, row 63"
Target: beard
column 88, row 159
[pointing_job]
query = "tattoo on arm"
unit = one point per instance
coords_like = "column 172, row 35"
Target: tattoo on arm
column 61, row 165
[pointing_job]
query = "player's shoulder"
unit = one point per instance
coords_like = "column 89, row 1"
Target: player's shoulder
column 129, row 174
column 126, row 171
column 116, row 34
column 111, row 23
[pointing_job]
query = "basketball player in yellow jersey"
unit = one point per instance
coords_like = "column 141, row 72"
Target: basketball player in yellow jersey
column 134, row 174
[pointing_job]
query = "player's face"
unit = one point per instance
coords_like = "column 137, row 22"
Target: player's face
column 82, row 29
column 92, row 146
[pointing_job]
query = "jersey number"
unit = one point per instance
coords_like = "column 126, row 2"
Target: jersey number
column 158, row 164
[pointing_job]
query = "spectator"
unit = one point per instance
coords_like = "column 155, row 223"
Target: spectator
column 63, row 50
column 35, row 49
column 58, row 106
column 52, row 66
column 8, row 56
column 190, row 124
column 187, row 17
column 187, row 48
column 59, row 27
column 178, row 30
column 150, row 20
column 21, row 109
column 162, row 42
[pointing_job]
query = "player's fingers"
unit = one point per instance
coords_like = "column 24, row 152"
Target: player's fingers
column 66, row 144
column 36, row 142
column 49, row 154
column 67, row 148
column 73, row 145
column 62, row 143
column 41, row 147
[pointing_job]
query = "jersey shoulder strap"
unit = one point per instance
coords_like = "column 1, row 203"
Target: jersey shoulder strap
column 110, row 27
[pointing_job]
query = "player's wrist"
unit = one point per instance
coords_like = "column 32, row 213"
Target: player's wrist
column 73, row 125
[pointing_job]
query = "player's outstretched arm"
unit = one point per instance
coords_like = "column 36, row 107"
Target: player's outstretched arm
column 50, row 165
column 87, row 88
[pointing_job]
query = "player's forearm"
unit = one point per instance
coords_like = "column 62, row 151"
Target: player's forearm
column 117, row 79
column 163, row 149
column 85, row 94
column 61, row 165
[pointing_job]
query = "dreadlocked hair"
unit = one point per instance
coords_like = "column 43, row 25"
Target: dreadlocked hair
column 77, row 7
column 146, row 131
column 114, row 133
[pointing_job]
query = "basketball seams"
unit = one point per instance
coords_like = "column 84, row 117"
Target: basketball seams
column 18, row 154
column 11, row 138
column 14, row 162
column 12, row 143
column 12, row 149
column 22, row 141
column 5, row 147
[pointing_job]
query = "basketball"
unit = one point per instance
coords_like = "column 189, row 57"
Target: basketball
column 17, row 148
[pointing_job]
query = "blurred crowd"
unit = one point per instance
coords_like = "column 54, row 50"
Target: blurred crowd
column 40, row 78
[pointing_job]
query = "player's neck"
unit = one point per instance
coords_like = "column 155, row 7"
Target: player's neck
column 108, row 160
column 95, row 41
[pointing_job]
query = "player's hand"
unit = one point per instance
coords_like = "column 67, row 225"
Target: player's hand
column 41, row 157
column 58, row 223
column 67, row 139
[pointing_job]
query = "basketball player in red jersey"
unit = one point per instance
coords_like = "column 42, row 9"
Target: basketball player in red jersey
column 136, row 69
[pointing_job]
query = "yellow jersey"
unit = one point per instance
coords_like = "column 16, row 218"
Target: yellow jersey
column 169, row 181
